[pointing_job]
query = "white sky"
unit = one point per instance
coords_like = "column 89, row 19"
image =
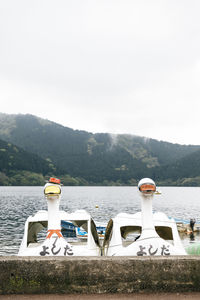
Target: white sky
column 104, row 66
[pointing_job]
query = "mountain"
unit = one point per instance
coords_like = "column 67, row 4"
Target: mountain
column 16, row 163
column 184, row 171
column 100, row 158
column 153, row 152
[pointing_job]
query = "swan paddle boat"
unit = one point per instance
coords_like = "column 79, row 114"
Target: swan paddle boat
column 143, row 233
column 54, row 243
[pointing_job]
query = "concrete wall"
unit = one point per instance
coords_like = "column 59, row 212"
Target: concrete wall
column 99, row 274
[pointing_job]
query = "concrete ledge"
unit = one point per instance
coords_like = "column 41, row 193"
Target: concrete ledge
column 37, row 275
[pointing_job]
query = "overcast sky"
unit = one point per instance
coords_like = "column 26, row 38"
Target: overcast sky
column 104, row 66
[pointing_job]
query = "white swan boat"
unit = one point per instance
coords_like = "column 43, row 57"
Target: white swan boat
column 54, row 243
column 143, row 233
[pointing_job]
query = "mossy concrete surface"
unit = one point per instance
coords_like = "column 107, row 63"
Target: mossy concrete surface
column 37, row 275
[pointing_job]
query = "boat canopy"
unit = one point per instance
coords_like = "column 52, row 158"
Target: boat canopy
column 79, row 218
column 129, row 227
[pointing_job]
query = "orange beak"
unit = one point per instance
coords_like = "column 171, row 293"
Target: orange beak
column 147, row 188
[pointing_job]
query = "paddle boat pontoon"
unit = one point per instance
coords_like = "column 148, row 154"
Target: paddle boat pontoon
column 143, row 233
column 55, row 243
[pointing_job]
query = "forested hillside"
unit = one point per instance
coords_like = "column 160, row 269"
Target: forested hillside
column 17, row 166
column 185, row 171
column 80, row 157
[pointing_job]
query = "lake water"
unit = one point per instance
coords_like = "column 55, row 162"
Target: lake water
column 17, row 203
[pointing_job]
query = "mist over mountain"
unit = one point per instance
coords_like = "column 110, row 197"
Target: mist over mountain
column 81, row 157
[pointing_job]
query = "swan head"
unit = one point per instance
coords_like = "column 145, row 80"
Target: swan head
column 52, row 189
column 147, row 187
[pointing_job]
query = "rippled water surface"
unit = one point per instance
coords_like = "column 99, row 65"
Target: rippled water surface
column 17, row 203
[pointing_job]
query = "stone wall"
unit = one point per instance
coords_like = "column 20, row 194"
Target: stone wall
column 99, row 274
